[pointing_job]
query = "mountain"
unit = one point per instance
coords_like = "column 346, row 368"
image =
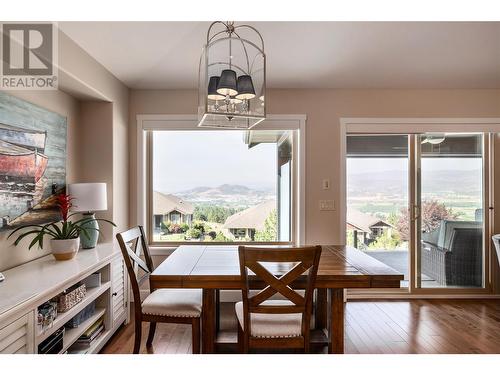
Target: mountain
column 228, row 195
column 391, row 183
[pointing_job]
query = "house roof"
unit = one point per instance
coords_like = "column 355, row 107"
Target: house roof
column 360, row 221
column 166, row 203
column 252, row 218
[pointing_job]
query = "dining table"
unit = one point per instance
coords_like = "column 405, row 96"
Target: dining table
column 213, row 268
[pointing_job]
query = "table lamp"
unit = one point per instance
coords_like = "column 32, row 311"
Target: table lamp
column 88, row 198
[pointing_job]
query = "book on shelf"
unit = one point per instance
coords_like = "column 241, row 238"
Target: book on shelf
column 89, row 336
column 91, row 330
column 89, row 340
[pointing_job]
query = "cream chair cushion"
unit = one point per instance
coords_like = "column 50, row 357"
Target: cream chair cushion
column 272, row 325
column 173, row 302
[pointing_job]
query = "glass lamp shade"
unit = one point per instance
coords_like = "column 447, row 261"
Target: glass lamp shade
column 212, row 89
column 227, row 83
column 245, row 88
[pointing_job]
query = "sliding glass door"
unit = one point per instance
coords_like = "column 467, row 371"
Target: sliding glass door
column 416, row 202
column 450, row 210
column 377, row 198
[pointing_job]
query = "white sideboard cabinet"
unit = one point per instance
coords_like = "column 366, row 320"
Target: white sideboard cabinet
column 30, row 285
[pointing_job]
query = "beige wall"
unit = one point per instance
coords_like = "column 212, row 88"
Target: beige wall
column 96, row 105
column 324, row 108
column 84, row 76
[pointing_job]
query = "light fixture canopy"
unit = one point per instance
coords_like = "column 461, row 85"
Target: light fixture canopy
column 434, row 138
column 232, row 70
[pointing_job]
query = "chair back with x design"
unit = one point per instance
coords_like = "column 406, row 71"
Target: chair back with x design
column 299, row 263
column 133, row 244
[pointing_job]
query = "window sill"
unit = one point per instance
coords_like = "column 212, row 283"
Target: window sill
column 167, row 249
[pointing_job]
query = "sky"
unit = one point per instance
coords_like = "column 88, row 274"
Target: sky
column 183, row 160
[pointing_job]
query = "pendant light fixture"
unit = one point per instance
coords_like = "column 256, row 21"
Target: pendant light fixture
column 232, row 70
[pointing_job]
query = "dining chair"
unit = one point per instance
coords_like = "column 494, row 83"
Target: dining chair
column 496, row 241
column 181, row 306
column 272, row 323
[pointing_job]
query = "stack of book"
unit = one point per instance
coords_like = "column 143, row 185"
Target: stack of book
column 89, row 336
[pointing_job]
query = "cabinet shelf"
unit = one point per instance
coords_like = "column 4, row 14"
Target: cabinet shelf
column 63, row 318
column 71, row 335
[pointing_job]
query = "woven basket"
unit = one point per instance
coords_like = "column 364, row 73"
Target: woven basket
column 67, row 300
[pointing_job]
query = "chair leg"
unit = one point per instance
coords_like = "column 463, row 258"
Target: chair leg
column 195, row 326
column 151, row 335
column 242, row 340
column 307, row 345
column 217, row 310
column 138, row 334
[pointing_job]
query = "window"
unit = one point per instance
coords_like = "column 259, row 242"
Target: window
column 221, row 186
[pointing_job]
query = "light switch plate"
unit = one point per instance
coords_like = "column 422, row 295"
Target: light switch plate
column 327, row 205
column 326, row 184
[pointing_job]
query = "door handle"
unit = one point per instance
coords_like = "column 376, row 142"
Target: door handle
column 415, row 212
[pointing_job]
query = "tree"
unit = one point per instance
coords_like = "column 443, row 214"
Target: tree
column 387, row 241
column 270, row 232
column 432, row 214
column 212, row 213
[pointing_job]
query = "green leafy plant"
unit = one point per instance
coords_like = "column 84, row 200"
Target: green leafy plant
column 193, row 233
column 64, row 229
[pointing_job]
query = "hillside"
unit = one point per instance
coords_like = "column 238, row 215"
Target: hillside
column 226, row 195
column 389, row 183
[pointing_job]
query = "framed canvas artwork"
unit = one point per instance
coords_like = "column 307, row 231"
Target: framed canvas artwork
column 32, row 162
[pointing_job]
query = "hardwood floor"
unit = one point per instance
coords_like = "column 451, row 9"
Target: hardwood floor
column 380, row 326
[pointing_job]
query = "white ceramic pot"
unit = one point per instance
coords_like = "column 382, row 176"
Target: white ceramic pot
column 65, row 249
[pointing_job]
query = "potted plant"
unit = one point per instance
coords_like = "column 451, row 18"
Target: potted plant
column 64, row 235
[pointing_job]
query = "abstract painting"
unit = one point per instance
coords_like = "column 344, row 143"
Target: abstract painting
column 32, row 162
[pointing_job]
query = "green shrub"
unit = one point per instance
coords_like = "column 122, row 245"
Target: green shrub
column 199, row 226
column 164, row 226
column 221, row 238
column 193, row 233
column 184, row 227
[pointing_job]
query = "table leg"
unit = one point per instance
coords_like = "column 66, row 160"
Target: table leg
column 321, row 313
column 208, row 321
column 337, row 310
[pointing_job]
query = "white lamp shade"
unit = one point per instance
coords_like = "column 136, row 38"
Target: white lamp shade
column 88, row 197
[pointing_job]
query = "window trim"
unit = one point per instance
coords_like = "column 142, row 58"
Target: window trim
column 146, row 122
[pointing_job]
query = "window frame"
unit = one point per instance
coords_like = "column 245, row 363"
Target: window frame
column 146, row 124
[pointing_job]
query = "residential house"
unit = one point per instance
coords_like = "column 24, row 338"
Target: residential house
column 168, row 207
column 245, row 223
column 367, row 226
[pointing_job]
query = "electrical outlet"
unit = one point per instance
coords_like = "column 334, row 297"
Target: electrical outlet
column 327, row 205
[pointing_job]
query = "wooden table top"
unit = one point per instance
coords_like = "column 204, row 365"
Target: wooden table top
column 218, row 267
